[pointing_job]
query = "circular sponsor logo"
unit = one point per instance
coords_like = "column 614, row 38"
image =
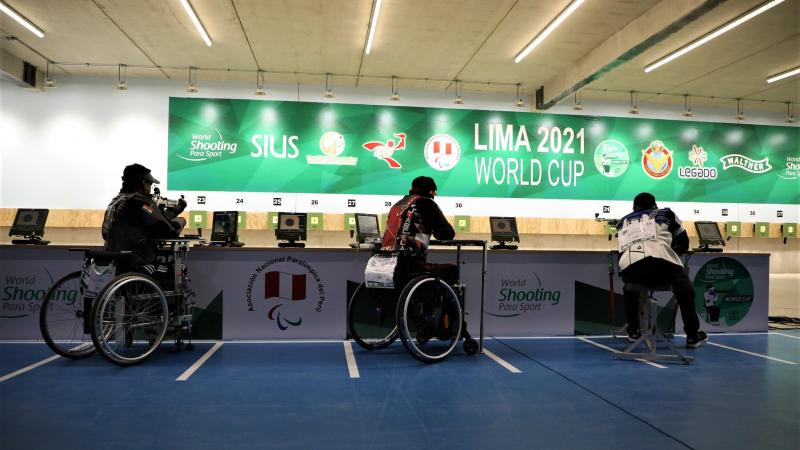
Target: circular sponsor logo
column 723, row 292
column 657, row 160
column 611, row 158
column 442, row 152
column 331, row 143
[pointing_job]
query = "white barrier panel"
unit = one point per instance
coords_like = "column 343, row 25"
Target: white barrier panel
column 265, row 293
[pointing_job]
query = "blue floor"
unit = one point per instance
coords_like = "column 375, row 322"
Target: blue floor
column 569, row 395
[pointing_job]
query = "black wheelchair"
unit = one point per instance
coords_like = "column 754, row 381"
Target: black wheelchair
column 424, row 310
column 124, row 316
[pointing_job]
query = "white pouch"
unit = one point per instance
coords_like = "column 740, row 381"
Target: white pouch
column 380, row 271
column 97, row 277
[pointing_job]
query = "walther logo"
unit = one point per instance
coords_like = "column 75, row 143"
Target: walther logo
column 204, row 146
column 521, row 295
column 745, row 163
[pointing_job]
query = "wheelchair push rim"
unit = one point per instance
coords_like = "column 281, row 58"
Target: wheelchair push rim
column 430, row 325
column 372, row 317
column 129, row 319
column 62, row 318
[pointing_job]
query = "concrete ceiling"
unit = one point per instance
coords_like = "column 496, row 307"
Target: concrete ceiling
column 602, row 48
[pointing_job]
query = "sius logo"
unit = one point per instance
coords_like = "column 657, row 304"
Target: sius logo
column 743, row 162
column 205, row 146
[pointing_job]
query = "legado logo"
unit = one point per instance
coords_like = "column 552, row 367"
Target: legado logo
column 289, row 283
column 442, row 152
column 698, row 157
column 385, row 150
column 332, row 145
column 523, row 295
column 792, row 170
column 657, row 160
column 205, row 146
column 743, row 162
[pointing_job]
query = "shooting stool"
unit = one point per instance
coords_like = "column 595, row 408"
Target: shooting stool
column 648, row 323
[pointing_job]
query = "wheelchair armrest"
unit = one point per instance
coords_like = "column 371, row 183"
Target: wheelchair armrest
column 104, row 254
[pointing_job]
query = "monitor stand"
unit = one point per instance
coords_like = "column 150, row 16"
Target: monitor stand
column 31, row 240
column 502, row 246
column 706, row 249
column 291, row 244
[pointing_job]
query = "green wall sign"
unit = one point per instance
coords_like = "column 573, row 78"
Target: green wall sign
column 295, row 147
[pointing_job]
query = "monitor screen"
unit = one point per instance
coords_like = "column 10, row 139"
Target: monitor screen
column 708, row 233
column 504, row 229
column 367, row 227
column 29, row 222
column 291, row 227
column 224, row 226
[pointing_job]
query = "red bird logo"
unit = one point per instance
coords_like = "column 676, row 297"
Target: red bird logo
column 385, row 150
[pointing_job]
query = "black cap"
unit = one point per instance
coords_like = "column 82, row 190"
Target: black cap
column 423, row 184
column 138, row 171
column 643, row 201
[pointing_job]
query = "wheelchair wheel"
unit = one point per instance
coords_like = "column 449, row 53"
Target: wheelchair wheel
column 371, row 317
column 61, row 318
column 429, row 318
column 129, row 319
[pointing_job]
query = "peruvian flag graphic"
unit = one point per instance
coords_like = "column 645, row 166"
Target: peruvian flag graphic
column 284, row 285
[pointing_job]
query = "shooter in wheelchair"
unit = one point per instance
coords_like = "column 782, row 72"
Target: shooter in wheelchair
column 405, row 295
column 129, row 295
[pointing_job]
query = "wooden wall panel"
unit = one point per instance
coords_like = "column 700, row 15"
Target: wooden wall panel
column 87, row 218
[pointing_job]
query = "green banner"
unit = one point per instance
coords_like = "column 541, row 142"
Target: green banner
column 295, row 147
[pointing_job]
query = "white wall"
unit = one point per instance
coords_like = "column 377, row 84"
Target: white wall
column 65, row 148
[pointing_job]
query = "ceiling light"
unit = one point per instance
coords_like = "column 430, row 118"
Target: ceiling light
column 260, row 83
column 122, row 71
column 578, row 105
column 49, row 81
column 459, row 90
column 328, row 86
column 782, row 75
column 376, row 11
column 789, row 112
column 192, row 88
column 395, row 89
column 549, row 29
column 739, row 109
column 520, row 102
column 21, row 20
column 713, row 34
column 196, row 21
column 634, row 103
column 687, row 106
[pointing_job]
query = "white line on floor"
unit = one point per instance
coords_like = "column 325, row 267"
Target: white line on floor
column 352, row 367
column 753, row 354
column 185, row 375
column 25, row 369
column 787, row 335
column 501, row 361
column 649, row 363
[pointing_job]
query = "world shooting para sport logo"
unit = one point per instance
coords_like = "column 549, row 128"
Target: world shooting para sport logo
column 208, row 145
column 522, row 295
